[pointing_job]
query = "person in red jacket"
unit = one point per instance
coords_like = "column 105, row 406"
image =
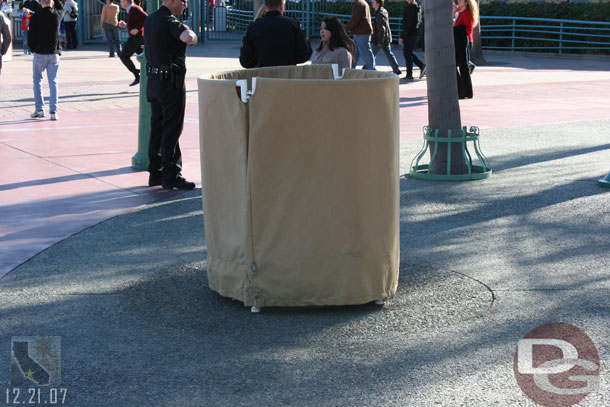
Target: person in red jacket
column 135, row 26
column 467, row 18
column 26, row 15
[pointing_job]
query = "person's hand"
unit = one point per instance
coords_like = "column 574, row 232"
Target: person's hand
column 400, row 42
column 121, row 24
column 133, row 31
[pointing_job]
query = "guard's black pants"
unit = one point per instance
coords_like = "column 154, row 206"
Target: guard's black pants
column 167, row 104
column 133, row 45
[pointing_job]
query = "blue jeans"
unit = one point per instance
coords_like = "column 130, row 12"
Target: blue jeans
column 363, row 49
column 112, row 38
column 50, row 62
column 388, row 53
column 24, row 36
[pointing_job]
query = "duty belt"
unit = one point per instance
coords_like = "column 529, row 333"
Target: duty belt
column 163, row 71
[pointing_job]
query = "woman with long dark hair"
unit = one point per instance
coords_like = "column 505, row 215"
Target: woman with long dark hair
column 336, row 47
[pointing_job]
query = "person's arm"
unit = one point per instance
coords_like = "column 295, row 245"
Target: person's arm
column 6, row 36
column 381, row 34
column 189, row 37
column 103, row 17
column 303, row 47
column 247, row 53
column 357, row 15
column 407, row 20
column 33, row 34
column 137, row 19
column 345, row 59
column 181, row 32
column 139, row 26
column 59, row 7
column 469, row 23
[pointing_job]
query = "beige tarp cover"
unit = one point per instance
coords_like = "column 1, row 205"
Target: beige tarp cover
column 300, row 185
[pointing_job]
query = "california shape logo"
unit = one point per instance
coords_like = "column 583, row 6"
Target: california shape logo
column 35, row 360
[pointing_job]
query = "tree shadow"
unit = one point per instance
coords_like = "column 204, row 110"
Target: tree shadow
column 413, row 101
column 510, row 161
column 139, row 325
column 67, row 178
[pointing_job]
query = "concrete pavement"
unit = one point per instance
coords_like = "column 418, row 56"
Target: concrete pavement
column 482, row 263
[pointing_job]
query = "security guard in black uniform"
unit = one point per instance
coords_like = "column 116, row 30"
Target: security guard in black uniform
column 165, row 39
column 274, row 40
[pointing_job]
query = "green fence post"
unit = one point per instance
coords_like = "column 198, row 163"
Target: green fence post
column 152, row 6
column 140, row 160
column 560, row 38
column 512, row 48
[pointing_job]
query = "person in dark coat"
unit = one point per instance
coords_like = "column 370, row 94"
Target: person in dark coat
column 382, row 35
column 411, row 19
column 274, row 40
column 165, row 38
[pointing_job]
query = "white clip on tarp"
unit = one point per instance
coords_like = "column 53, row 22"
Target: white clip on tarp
column 245, row 94
column 336, row 74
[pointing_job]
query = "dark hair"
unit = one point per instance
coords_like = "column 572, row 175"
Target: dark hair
column 380, row 2
column 338, row 35
column 273, row 4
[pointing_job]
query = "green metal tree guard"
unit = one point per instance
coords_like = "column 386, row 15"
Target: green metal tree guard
column 605, row 182
column 140, row 159
column 478, row 171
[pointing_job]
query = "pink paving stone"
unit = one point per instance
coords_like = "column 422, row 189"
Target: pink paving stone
column 68, row 175
column 72, row 174
column 513, row 106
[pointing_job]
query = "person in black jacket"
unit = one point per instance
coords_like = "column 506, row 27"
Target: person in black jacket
column 165, row 39
column 43, row 39
column 411, row 18
column 274, row 40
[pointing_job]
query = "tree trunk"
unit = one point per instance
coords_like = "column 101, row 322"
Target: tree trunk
column 441, row 73
column 476, row 55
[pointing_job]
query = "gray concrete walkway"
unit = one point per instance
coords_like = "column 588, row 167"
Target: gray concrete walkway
column 482, row 264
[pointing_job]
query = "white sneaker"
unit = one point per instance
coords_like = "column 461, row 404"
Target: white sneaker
column 38, row 113
column 54, row 116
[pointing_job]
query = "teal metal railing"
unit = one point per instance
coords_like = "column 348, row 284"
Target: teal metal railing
column 544, row 34
column 89, row 21
column 497, row 32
